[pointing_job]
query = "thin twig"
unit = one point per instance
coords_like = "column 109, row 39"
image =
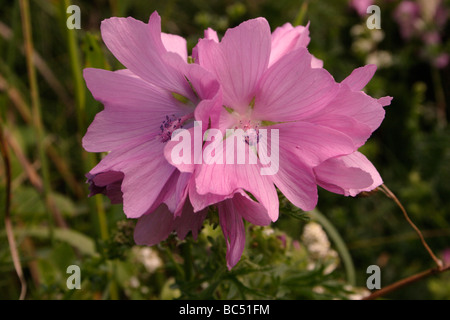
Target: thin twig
column 406, row 281
column 8, row 223
column 391, row 195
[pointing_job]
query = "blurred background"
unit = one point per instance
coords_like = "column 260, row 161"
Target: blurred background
column 45, row 109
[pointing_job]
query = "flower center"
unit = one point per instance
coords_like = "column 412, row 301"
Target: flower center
column 170, row 124
column 251, row 130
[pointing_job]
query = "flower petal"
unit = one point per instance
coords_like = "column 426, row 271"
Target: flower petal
column 313, row 143
column 189, row 221
column 360, row 77
column 202, row 201
column 138, row 46
column 286, row 39
column 154, row 227
column 238, row 61
column 145, row 171
column 250, row 210
column 357, row 131
column 291, row 89
column 226, row 178
column 233, row 230
column 134, row 109
column 356, row 105
column 348, row 175
column 175, row 43
column 296, row 181
column 108, row 183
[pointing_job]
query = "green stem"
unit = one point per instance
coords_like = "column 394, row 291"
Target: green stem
column 187, row 256
column 89, row 159
column 441, row 113
column 301, row 14
column 36, row 110
column 339, row 243
column 80, row 103
column 75, row 64
column 177, row 266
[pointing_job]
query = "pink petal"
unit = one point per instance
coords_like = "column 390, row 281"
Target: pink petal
column 195, row 139
column 348, row 175
column 134, row 109
column 286, row 39
column 154, row 227
column 211, row 35
column 202, row 201
column 138, row 46
column 145, row 173
column 238, row 61
column 357, row 131
column 208, row 90
column 174, row 193
column 108, row 183
column 360, row 77
column 296, row 181
column 208, row 95
column 385, row 101
column 233, row 230
column 226, row 179
column 175, row 43
column 291, row 89
column 316, row 63
column 250, row 210
column 313, row 143
column 356, row 105
column 189, row 221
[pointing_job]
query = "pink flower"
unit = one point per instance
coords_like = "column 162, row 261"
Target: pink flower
column 251, row 80
column 107, row 183
column 441, row 61
column 361, row 6
column 407, row 15
column 290, row 96
column 353, row 173
column 426, row 19
column 288, row 38
column 157, row 93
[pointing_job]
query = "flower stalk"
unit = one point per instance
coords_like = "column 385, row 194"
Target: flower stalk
column 391, row 195
column 36, row 111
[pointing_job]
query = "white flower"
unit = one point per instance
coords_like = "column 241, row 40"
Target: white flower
column 148, row 257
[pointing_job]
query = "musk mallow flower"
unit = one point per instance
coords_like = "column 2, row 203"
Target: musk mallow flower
column 345, row 174
column 157, row 93
column 289, row 96
column 251, row 81
column 353, row 173
column 144, row 104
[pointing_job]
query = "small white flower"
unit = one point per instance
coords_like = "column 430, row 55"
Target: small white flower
column 148, row 257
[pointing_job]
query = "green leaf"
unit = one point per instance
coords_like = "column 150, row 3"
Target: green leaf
column 77, row 240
